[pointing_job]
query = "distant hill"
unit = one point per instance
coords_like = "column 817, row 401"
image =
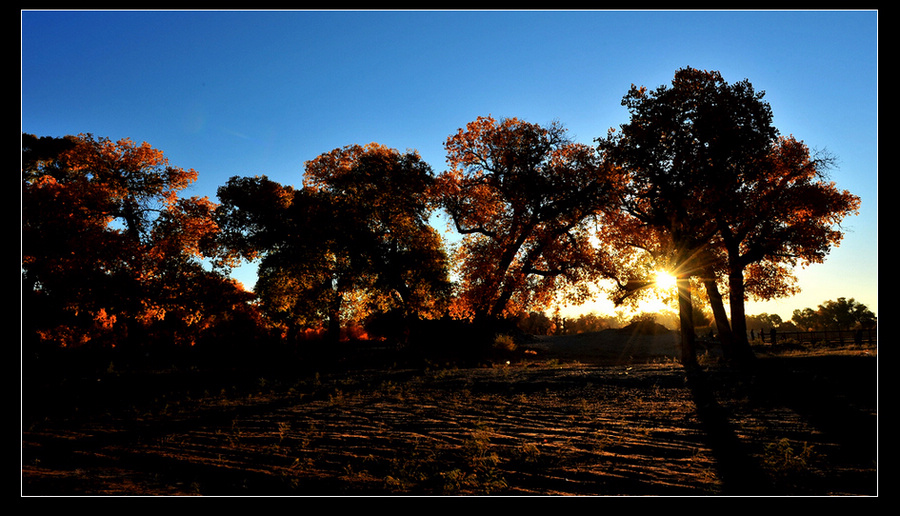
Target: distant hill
column 643, row 328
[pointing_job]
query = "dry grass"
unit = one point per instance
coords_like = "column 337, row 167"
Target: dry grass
column 612, row 421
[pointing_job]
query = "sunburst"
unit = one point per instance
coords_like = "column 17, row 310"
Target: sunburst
column 664, row 280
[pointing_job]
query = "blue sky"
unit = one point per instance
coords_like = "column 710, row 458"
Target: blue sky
column 243, row 93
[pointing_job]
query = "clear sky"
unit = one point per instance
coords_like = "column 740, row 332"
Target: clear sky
column 243, row 93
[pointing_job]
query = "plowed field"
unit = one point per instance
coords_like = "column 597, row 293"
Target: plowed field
column 585, row 415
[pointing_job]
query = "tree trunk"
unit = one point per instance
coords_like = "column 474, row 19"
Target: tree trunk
column 726, row 337
column 686, row 317
column 738, row 316
column 333, row 335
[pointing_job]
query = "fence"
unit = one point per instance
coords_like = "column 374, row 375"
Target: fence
column 825, row 337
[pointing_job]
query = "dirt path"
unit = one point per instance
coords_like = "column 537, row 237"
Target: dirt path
column 547, row 426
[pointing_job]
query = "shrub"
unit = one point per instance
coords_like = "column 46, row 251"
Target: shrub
column 504, row 343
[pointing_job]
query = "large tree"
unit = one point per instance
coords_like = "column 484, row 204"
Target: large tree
column 385, row 194
column 353, row 241
column 527, row 202
column 787, row 215
column 685, row 150
column 108, row 245
column 290, row 233
column 733, row 197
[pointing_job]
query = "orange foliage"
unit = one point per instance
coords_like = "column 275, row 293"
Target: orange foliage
column 528, row 203
column 110, row 251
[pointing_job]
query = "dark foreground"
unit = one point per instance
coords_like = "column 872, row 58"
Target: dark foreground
column 797, row 424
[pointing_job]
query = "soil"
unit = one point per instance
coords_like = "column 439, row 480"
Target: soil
column 609, row 414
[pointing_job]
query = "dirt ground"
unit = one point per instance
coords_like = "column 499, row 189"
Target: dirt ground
column 600, row 414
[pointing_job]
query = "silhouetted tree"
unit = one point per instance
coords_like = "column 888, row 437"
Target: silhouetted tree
column 354, row 240
column 535, row 323
column 681, row 149
column 840, row 314
column 720, row 193
column 764, row 321
column 788, row 215
column 385, row 196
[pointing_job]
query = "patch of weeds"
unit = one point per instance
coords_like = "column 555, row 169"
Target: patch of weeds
column 283, row 428
column 410, row 469
column 482, row 462
column 529, row 453
column 337, row 398
column 469, row 469
column 790, row 465
column 707, row 358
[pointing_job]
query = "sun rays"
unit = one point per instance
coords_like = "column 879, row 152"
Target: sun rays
column 663, row 280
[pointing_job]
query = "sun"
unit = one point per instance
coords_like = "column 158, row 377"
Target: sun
column 664, row 280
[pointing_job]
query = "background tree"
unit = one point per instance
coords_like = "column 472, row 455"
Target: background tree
column 805, row 319
column 764, row 321
column 840, row 314
column 386, row 194
column 108, row 245
column 528, row 203
column 352, row 242
column 535, row 323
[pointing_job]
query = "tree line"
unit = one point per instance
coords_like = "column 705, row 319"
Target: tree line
column 698, row 183
column 841, row 314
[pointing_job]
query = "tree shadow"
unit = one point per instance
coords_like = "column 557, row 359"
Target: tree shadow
column 739, row 472
column 836, row 395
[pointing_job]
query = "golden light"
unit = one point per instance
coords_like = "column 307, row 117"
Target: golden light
column 664, row 280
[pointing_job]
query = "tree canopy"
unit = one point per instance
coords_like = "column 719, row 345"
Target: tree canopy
column 353, row 241
column 528, row 202
column 110, row 252
column 720, row 192
column 840, row 314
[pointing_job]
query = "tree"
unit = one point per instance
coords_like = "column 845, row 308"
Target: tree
column 304, row 266
column 733, row 197
column 787, row 216
column 386, row 194
column 108, row 245
column 840, row 314
column 527, row 202
column 806, row 319
column 764, row 321
column 353, row 241
column 685, row 149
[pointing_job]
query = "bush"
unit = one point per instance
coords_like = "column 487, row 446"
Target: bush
column 504, row 343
